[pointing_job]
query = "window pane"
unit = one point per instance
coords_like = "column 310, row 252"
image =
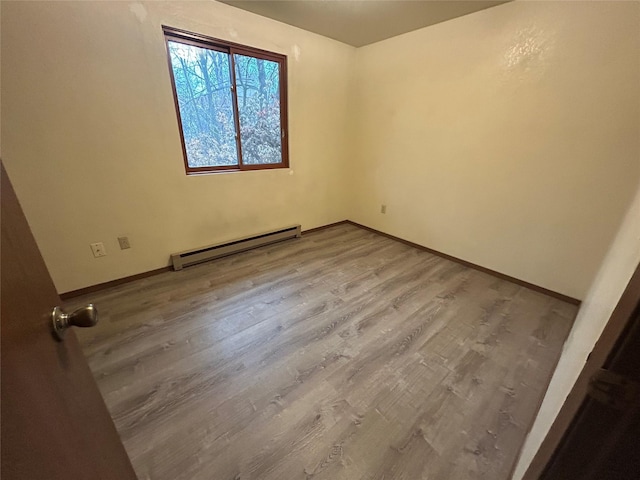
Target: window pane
column 203, row 85
column 258, row 89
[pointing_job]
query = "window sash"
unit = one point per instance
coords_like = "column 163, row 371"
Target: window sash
column 230, row 48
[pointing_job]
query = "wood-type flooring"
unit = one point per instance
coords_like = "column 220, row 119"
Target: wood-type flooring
column 340, row 355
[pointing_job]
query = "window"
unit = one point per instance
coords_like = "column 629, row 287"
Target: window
column 231, row 102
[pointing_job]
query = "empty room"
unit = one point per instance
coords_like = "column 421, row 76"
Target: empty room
column 333, row 240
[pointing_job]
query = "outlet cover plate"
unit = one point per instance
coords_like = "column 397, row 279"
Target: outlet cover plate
column 98, row 249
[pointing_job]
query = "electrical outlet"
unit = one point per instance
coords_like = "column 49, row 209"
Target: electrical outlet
column 98, row 249
column 124, row 243
column 383, row 209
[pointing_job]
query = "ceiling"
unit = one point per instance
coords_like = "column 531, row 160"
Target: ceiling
column 358, row 22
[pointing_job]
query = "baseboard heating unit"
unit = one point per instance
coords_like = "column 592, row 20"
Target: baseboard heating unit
column 204, row 254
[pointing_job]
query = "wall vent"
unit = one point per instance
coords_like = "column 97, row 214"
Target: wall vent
column 203, row 254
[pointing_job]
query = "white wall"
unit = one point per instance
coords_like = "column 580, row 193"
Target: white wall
column 90, row 136
column 613, row 277
column 508, row 138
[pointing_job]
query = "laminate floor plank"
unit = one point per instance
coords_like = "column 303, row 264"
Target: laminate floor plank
column 340, row 355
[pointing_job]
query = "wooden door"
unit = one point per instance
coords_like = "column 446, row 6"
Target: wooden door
column 55, row 424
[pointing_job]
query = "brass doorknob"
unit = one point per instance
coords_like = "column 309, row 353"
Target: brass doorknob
column 86, row 316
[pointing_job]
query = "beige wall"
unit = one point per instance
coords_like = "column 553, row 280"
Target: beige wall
column 90, row 137
column 508, row 138
column 603, row 296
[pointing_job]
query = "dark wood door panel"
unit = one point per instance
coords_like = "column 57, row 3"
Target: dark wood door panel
column 54, row 421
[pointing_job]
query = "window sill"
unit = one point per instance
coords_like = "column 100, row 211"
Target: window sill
column 222, row 172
